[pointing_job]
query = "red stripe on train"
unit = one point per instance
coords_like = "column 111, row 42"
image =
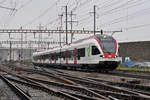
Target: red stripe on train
column 66, row 54
column 75, row 56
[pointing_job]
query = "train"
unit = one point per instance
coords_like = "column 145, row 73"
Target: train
column 98, row 53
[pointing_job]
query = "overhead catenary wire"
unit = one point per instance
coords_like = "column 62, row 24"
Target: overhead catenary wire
column 108, row 4
column 12, row 13
column 8, row 8
column 136, row 26
column 105, row 4
column 122, row 8
column 124, row 4
column 42, row 14
column 79, row 5
column 131, row 16
column 132, row 4
column 25, row 4
column 2, row 1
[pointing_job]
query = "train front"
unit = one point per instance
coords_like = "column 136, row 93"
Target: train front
column 109, row 48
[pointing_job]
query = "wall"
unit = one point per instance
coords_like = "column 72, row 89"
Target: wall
column 15, row 54
column 137, row 51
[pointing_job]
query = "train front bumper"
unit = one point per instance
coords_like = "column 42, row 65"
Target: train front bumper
column 117, row 59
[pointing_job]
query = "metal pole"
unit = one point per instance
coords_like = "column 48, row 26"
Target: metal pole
column 10, row 51
column 21, row 46
column 71, row 27
column 61, row 16
column 30, row 50
column 39, row 42
column 66, row 28
column 94, row 19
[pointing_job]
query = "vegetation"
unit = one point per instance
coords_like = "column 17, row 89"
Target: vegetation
column 145, row 69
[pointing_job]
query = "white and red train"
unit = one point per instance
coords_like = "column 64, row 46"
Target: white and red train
column 98, row 52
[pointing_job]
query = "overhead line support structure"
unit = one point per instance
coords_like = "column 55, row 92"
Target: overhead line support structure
column 60, row 28
column 66, row 27
column 10, row 51
column 71, row 22
column 94, row 19
column 94, row 14
column 28, row 31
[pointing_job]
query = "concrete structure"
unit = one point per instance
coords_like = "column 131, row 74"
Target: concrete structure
column 16, row 54
column 137, row 51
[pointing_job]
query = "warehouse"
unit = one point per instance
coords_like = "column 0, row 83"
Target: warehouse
column 137, row 51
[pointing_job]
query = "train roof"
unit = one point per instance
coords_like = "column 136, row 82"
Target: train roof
column 70, row 44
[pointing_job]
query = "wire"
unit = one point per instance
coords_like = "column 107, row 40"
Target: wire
column 131, row 16
column 68, row 2
column 2, row 1
column 80, row 5
column 25, row 4
column 8, row 8
column 137, row 26
column 110, row 4
column 42, row 14
column 55, row 20
column 103, row 5
column 117, row 10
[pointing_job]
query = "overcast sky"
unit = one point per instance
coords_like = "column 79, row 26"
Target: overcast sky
column 130, row 16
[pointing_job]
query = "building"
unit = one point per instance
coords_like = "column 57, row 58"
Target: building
column 137, row 51
column 16, row 54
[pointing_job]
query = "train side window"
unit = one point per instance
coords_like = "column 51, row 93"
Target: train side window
column 81, row 52
column 52, row 56
column 70, row 55
column 45, row 57
column 63, row 55
column 95, row 50
column 57, row 56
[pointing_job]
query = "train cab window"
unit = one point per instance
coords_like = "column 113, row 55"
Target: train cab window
column 95, row 50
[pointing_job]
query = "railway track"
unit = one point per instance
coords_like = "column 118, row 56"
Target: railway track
column 6, row 92
column 24, row 96
column 107, row 90
column 133, row 87
column 132, row 84
column 57, row 91
column 99, row 84
column 77, row 88
column 17, row 90
column 120, row 73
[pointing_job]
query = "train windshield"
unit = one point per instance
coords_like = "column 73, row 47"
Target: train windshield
column 108, row 44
